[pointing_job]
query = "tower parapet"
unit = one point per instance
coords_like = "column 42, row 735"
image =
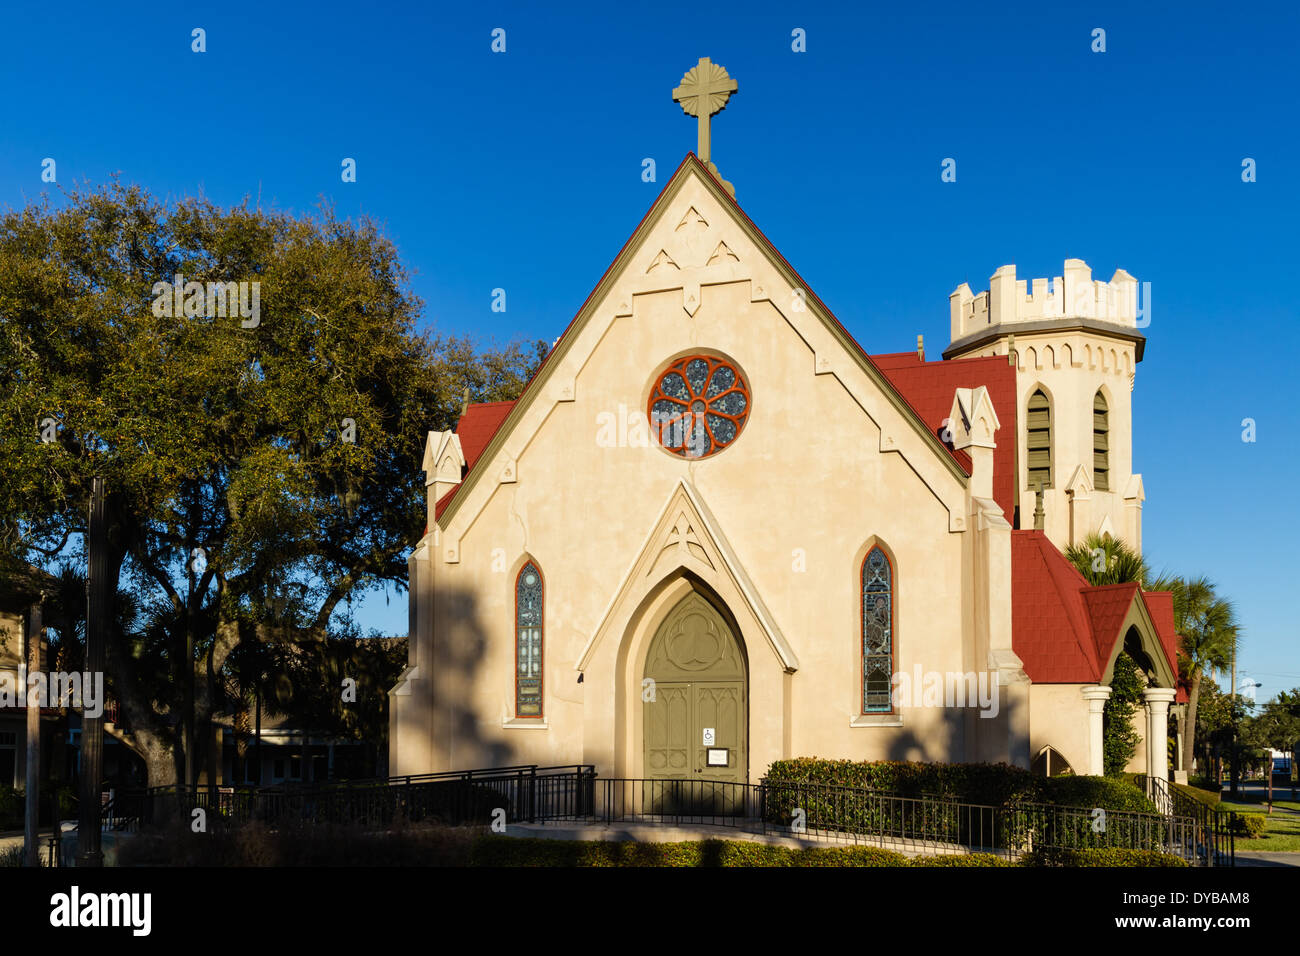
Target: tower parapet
column 1074, row 298
column 1075, row 343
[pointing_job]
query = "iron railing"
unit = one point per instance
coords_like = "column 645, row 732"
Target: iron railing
column 920, row 824
column 1213, row 842
column 505, row 794
column 551, row 795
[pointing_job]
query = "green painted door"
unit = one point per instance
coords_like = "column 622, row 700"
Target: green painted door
column 695, row 710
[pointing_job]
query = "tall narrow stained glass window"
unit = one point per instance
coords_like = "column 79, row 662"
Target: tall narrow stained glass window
column 877, row 633
column 528, row 642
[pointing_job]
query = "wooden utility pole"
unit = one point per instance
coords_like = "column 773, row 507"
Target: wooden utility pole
column 98, row 608
column 32, row 657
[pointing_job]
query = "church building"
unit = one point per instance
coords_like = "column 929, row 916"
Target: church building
column 714, row 531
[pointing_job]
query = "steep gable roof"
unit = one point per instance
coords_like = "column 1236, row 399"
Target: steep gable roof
column 692, row 163
column 475, row 429
column 1051, row 630
column 1064, row 629
column 929, row 387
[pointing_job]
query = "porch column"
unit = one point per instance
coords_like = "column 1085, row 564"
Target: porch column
column 1096, row 695
column 1158, row 701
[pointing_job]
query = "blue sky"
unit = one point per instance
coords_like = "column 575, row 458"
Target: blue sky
column 522, row 171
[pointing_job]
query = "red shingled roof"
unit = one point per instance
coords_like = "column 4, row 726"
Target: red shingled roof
column 1064, row 629
column 1160, row 605
column 1050, row 628
column 929, row 388
column 475, row 429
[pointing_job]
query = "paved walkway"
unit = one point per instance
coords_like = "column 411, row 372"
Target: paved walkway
column 1261, row 858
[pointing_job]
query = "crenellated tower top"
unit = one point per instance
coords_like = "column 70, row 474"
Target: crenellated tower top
column 1075, row 299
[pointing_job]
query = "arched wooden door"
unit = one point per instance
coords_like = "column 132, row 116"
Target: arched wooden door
column 696, row 710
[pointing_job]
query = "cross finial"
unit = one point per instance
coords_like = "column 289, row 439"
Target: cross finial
column 703, row 91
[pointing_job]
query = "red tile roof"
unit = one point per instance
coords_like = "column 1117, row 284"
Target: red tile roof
column 1051, row 631
column 475, row 429
column 1064, row 629
column 929, row 388
column 1160, row 605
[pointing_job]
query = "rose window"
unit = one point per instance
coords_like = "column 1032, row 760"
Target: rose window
column 698, row 406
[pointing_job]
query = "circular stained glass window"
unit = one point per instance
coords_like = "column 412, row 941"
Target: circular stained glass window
column 698, row 406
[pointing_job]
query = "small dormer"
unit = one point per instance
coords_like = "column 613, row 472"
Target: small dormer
column 974, row 425
column 443, row 466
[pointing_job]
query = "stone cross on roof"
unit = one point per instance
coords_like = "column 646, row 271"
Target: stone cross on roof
column 703, row 91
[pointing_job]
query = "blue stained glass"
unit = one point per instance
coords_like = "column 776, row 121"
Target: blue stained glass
column 877, row 633
column 733, row 403
column 528, row 628
column 722, row 379
column 724, row 429
column 675, row 386
column 697, row 370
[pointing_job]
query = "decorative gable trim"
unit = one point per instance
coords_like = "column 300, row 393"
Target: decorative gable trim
column 973, row 419
column 1138, row 615
column 629, row 268
column 688, row 535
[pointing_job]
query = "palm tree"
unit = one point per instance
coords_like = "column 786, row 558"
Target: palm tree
column 1210, row 633
column 1205, row 622
column 1106, row 560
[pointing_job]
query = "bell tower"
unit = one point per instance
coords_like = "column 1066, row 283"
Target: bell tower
column 1075, row 344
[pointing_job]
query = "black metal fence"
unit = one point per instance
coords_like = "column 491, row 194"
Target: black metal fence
column 852, row 814
column 574, row 794
column 1213, row 843
column 487, row 796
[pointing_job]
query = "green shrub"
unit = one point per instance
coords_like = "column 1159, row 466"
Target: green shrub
column 1249, row 825
column 1100, row 856
column 1204, row 783
column 11, row 807
column 982, row 783
column 1105, row 792
column 847, row 856
column 512, row 851
column 1119, row 739
column 11, row 856
column 970, row 859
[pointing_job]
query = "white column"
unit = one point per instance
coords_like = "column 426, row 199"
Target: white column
column 1096, row 695
column 1158, row 701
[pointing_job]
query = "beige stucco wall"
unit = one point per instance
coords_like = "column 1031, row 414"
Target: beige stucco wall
column 826, row 465
column 1060, row 721
column 1070, row 368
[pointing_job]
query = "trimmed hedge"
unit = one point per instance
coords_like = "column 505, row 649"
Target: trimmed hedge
column 997, row 785
column 511, row 851
column 1105, row 792
column 971, row 859
column 1249, row 825
column 983, row 783
column 517, row 851
column 1005, row 806
column 1100, row 856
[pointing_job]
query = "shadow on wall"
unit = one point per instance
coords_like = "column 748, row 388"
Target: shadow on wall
column 961, row 735
column 459, row 681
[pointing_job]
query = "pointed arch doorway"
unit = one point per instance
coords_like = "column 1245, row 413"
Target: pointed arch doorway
column 696, row 716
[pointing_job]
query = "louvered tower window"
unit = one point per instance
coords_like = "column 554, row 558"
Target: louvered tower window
column 1100, row 444
column 1039, row 424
